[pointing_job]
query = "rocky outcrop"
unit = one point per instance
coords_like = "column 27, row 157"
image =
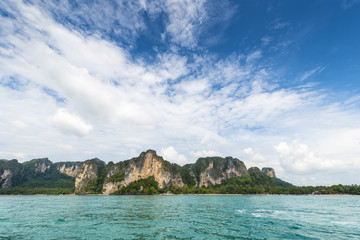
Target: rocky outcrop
column 146, row 165
column 213, row 170
column 42, row 165
column 269, row 171
column 11, row 173
column 110, row 187
column 6, row 178
column 71, row 169
column 38, row 165
column 88, row 176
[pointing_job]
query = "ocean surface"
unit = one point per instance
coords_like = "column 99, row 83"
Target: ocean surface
column 180, row 217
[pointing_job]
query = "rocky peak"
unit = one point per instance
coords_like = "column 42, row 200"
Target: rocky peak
column 213, row 170
column 147, row 164
column 38, row 165
column 89, row 175
column 269, row 171
column 42, row 165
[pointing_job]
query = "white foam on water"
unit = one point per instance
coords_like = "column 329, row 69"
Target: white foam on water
column 257, row 214
column 242, row 211
column 344, row 223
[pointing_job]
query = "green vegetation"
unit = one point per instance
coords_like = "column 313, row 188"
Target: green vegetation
column 41, row 176
column 16, row 168
column 116, row 171
column 334, row 189
column 244, row 185
column 51, row 178
column 95, row 186
column 117, row 177
column 36, row 190
column 146, row 186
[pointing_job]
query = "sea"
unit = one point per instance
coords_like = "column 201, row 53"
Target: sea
column 180, row 217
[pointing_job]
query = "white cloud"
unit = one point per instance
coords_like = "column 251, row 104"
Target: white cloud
column 309, row 73
column 253, row 156
column 185, row 19
column 299, row 159
column 173, row 156
column 12, row 155
column 122, row 19
column 70, row 124
column 266, row 40
column 206, row 153
column 19, row 124
column 253, row 56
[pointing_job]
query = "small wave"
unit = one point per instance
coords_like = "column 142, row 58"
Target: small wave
column 257, row 215
column 241, row 211
column 343, row 223
column 264, row 211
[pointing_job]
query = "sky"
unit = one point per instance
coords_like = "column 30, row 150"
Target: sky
column 273, row 83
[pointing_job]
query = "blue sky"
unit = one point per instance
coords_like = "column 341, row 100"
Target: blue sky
column 273, row 83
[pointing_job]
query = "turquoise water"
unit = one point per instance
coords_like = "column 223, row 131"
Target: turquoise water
column 180, row 217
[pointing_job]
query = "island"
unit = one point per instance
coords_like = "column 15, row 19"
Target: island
column 149, row 174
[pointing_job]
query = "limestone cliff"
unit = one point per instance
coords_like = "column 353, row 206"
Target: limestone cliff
column 42, row 165
column 11, row 173
column 6, row 178
column 69, row 168
column 38, row 165
column 94, row 176
column 269, row 171
column 89, row 175
column 213, row 170
column 146, row 165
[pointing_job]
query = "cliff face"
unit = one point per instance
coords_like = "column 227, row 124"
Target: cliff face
column 146, row 165
column 94, row 176
column 69, row 168
column 6, row 178
column 88, row 176
column 11, row 173
column 42, row 165
column 269, row 171
column 213, row 170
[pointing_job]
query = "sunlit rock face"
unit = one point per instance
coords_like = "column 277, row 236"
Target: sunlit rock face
column 5, row 178
column 213, row 170
column 11, row 173
column 87, row 175
column 146, row 165
column 39, row 164
column 69, row 168
column 269, row 171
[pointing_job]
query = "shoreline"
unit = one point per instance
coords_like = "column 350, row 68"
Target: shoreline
column 190, row 194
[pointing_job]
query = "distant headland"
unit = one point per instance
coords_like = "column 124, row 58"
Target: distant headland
column 149, row 174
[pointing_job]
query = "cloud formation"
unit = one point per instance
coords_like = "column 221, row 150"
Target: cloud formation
column 69, row 123
column 62, row 81
column 173, row 156
column 298, row 158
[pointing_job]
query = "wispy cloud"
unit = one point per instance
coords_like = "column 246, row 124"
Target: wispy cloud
column 185, row 20
column 310, row 73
